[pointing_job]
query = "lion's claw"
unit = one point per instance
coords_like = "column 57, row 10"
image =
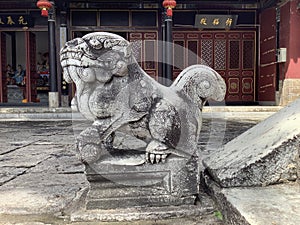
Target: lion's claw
column 155, row 158
column 156, row 152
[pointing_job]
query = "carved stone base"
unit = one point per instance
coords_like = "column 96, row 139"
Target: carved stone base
column 175, row 182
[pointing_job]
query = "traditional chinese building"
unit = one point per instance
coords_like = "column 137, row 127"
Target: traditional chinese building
column 252, row 44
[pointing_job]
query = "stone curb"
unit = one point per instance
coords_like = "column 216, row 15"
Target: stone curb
column 208, row 109
column 44, row 113
column 148, row 213
column 270, row 205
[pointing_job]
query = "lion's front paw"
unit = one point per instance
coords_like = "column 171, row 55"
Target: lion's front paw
column 88, row 153
column 89, row 145
column 156, row 152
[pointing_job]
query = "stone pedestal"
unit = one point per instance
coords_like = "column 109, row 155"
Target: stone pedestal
column 290, row 91
column 14, row 94
column 65, row 101
column 53, row 100
column 175, row 182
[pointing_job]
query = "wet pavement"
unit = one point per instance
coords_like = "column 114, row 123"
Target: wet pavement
column 40, row 174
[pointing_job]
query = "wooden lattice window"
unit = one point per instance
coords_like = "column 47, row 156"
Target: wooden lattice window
column 248, row 54
column 234, row 54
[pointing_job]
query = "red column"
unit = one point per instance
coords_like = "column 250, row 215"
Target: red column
column 293, row 45
column 289, row 38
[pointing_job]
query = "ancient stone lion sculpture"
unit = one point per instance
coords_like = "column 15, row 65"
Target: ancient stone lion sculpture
column 128, row 106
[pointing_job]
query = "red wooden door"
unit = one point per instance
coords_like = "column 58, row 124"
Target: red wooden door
column 3, row 85
column 232, row 54
column 145, row 50
column 31, row 74
column 267, row 74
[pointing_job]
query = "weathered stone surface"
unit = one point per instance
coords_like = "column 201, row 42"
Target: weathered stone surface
column 56, row 197
column 8, row 173
column 142, row 214
column 59, row 163
column 275, row 204
column 175, row 182
column 51, row 181
column 266, row 154
column 138, row 124
column 38, row 193
column 115, row 93
column 41, row 174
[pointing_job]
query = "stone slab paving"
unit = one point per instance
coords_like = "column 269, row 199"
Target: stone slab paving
column 270, row 205
column 42, row 181
column 39, row 172
column 274, row 205
column 41, row 178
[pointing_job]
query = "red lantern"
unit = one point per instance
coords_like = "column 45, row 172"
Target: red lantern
column 169, row 5
column 44, row 5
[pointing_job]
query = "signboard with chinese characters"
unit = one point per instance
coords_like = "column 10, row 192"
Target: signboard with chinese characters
column 215, row 21
column 15, row 20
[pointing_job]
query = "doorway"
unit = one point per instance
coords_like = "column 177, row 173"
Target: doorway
column 24, row 67
column 231, row 53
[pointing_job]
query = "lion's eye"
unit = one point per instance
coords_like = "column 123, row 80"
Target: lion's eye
column 95, row 44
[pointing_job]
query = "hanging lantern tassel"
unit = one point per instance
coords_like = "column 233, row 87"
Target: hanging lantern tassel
column 44, row 5
column 169, row 11
column 169, row 5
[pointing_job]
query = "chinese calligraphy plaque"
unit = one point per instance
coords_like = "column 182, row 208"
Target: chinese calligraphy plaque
column 215, row 21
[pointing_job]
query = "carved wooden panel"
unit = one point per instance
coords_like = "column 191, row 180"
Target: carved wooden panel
column 220, row 55
column 179, row 55
column 248, row 54
column 192, row 54
column 207, row 51
column 234, row 54
column 230, row 53
column 145, row 50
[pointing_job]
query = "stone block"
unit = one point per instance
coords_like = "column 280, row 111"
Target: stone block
column 268, row 153
column 175, row 182
column 275, row 204
column 290, row 91
column 14, row 94
column 53, row 99
column 65, row 101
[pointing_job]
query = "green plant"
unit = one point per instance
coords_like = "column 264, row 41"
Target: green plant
column 218, row 214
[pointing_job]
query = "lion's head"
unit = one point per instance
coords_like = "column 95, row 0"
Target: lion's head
column 92, row 62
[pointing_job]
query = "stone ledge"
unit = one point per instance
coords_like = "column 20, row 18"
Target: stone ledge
column 206, row 109
column 44, row 113
column 147, row 213
column 265, row 154
column 18, row 110
column 272, row 205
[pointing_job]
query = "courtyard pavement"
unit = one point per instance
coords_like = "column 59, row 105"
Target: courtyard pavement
column 43, row 182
